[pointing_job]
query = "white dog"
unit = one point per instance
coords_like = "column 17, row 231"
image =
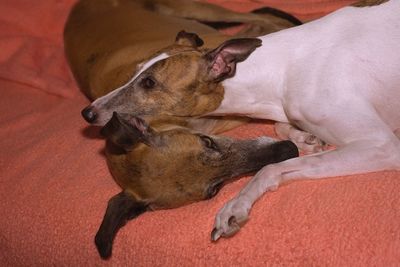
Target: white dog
column 337, row 78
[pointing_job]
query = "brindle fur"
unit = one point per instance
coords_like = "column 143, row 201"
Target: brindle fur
column 105, row 40
column 171, row 167
column 187, row 84
column 104, row 45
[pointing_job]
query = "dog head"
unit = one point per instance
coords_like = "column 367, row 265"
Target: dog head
column 171, row 167
column 181, row 81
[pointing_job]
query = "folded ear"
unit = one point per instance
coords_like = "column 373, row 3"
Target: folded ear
column 188, row 39
column 126, row 133
column 121, row 208
column 222, row 60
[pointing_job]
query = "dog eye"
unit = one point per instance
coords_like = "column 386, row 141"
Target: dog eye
column 213, row 189
column 148, row 83
column 208, row 142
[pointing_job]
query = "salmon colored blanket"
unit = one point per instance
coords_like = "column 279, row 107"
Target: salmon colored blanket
column 55, row 184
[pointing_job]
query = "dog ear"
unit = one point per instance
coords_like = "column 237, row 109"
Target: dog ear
column 222, row 60
column 121, row 208
column 126, row 132
column 188, row 39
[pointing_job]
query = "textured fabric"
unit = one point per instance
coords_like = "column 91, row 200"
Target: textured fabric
column 55, row 183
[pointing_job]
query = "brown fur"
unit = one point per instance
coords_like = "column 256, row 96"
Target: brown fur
column 141, row 161
column 163, row 166
column 187, row 84
column 166, row 167
column 172, row 167
column 177, row 95
column 105, row 40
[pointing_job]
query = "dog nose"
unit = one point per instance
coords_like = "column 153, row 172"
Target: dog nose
column 89, row 114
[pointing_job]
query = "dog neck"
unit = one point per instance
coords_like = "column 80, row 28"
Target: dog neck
column 257, row 88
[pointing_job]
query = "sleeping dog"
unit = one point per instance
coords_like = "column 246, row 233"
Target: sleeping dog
column 108, row 42
column 139, row 157
column 336, row 78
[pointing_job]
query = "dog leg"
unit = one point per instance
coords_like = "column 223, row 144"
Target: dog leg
column 356, row 157
column 121, row 208
column 306, row 142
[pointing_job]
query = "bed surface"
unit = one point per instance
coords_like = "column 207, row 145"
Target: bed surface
column 55, row 183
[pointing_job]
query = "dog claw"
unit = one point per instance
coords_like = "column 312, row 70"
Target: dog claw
column 234, row 227
column 216, row 234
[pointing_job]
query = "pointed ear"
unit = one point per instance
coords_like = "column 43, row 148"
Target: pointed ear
column 188, row 39
column 222, row 60
column 126, row 132
column 121, row 208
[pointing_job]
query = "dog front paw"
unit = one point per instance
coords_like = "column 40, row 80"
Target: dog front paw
column 230, row 218
column 312, row 144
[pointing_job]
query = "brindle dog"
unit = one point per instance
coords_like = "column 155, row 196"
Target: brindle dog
column 139, row 158
column 105, row 46
column 107, row 41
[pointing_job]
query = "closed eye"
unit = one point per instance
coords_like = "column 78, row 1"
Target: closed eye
column 208, row 142
column 213, row 189
column 148, row 82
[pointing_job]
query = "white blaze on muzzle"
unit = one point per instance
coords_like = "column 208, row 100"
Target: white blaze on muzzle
column 104, row 99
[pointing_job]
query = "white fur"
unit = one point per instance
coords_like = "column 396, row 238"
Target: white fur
column 337, row 78
column 141, row 68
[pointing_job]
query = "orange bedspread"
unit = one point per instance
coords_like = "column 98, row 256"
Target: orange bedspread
column 55, row 184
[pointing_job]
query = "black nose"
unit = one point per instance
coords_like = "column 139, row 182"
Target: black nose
column 89, row 114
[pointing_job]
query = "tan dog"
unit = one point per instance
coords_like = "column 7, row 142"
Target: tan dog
column 139, row 158
column 108, row 41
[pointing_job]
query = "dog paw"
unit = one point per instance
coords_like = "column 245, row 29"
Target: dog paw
column 230, row 218
column 311, row 140
column 312, row 144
